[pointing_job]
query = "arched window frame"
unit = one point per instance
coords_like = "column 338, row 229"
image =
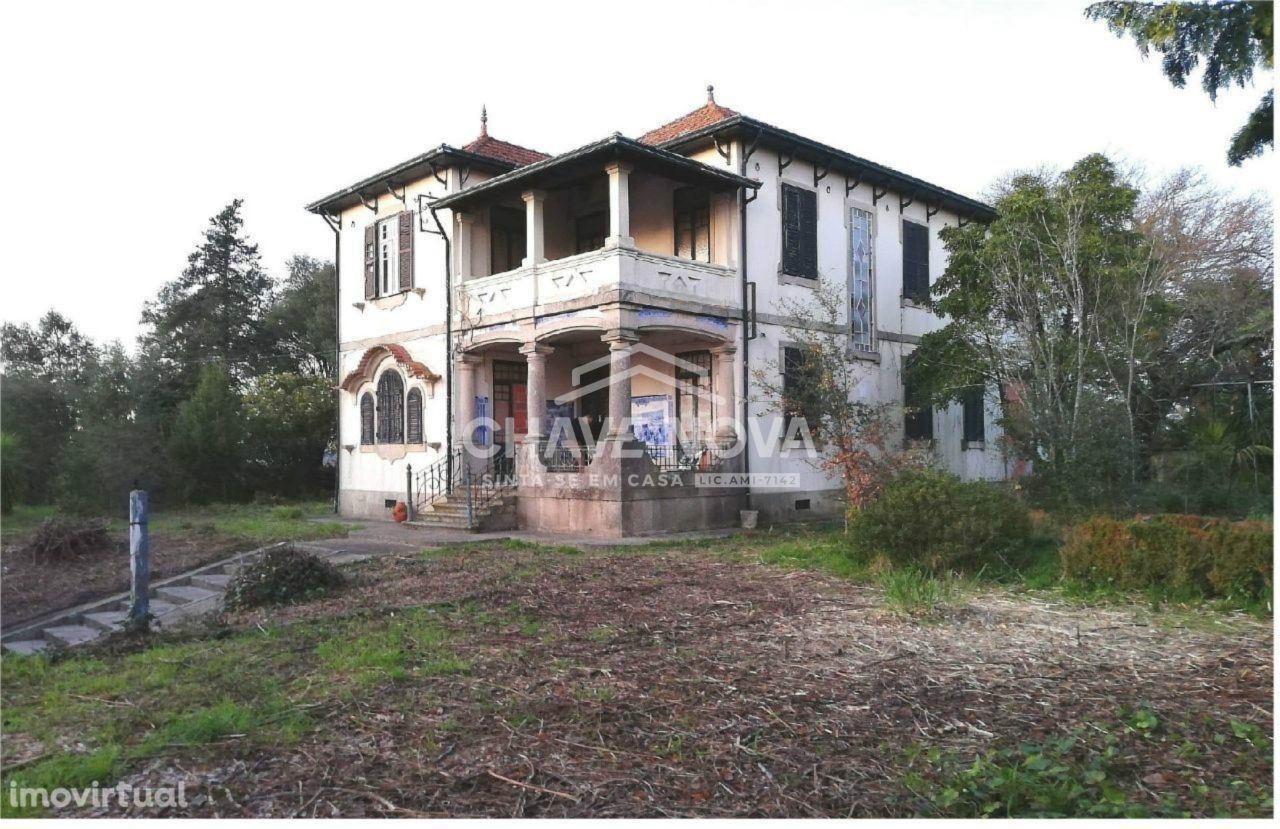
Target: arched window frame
column 367, row 419
column 390, row 411
column 413, row 413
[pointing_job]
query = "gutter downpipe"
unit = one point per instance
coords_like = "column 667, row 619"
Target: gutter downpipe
column 336, row 227
column 746, row 335
column 448, row 343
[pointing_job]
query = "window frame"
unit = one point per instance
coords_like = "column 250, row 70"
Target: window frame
column 368, row 418
column 973, row 424
column 786, row 273
column 601, row 216
column 695, row 200
column 413, row 400
column 917, row 424
column 389, row 414
column 512, row 227
column 872, row 272
column 387, row 256
column 786, row 349
column 909, row 296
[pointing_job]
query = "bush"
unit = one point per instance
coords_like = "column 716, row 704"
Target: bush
column 282, row 575
column 1184, row 553
column 61, row 538
column 934, row 521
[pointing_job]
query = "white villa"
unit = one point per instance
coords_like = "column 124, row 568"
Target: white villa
column 640, row 280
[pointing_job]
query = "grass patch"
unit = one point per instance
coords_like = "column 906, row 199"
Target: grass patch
column 913, row 593
column 412, row 644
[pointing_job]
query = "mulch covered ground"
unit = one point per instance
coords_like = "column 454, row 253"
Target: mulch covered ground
column 686, row 684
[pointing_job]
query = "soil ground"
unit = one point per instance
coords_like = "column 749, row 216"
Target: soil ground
column 512, row 680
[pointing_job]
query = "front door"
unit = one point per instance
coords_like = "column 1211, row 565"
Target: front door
column 510, row 401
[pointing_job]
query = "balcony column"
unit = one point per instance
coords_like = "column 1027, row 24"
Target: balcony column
column 725, row 409
column 619, row 206
column 620, row 342
column 468, row 365
column 535, row 227
column 535, row 356
column 466, row 266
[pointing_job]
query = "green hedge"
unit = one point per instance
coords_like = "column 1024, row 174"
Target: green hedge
column 935, row 521
column 1209, row 556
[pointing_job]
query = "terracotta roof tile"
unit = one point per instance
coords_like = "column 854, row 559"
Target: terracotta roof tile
column 364, row 372
column 704, row 116
column 491, row 147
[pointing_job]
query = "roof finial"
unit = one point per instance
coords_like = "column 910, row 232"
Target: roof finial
column 484, row 120
column 711, row 94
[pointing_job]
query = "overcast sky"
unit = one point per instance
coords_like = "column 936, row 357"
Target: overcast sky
column 129, row 125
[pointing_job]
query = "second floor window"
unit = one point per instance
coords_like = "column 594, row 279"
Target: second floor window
column 915, row 261
column 799, row 232
column 591, row 230
column 693, row 224
column 861, row 253
column 506, row 238
column 388, row 257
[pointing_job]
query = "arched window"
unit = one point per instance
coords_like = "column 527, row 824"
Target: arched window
column 413, row 416
column 390, row 408
column 366, row 419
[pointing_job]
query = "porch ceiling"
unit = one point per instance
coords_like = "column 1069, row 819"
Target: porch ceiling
column 576, row 164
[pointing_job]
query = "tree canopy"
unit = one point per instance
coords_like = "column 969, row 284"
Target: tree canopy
column 1231, row 38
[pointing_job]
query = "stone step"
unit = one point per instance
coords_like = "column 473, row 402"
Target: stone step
column 211, row 581
column 27, row 647
column 183, row 593
column 157, row 607
column 71, row 634
column 107, row 619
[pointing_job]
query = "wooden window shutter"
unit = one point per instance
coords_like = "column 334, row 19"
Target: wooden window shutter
column 371, row 261
column 406, row 250
column 974, row 425
column 413, row 416
column 790, row 229
column 808, row 234
column 366, row 419
column 915, row 261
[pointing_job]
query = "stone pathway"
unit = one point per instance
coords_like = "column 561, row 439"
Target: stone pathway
column 199, row 592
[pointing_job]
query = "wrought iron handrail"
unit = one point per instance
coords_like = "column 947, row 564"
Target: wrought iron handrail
column 687, row 457
column 479, row 482
column 562, row 457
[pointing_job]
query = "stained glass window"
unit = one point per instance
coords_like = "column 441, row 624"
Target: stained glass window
column 861, row 249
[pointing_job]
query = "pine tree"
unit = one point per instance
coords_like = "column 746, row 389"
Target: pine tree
column 216, row 310
column 206, row 446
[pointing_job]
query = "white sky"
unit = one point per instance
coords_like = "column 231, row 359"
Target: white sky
column 130, row 124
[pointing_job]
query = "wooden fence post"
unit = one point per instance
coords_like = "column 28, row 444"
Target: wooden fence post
column 139, row 560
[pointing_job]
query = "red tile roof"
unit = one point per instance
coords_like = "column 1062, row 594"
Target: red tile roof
column 491, row 147
column 704, row 116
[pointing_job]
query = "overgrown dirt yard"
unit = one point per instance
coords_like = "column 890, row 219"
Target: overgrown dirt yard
column 509, row 680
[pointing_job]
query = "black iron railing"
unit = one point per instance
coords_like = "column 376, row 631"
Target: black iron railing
column 476, row 483
column 695, row 456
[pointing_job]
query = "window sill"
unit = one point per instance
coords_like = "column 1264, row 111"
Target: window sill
column 908, row 302
column 855, row 353
column 975, row 445
column 802, row 281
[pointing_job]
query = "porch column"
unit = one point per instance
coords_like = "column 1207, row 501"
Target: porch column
column 620, row 342
column 726, row 408
column 468, row 365
column 619, row 206
column 535, row 356
column 466, row 268
column 535, row 227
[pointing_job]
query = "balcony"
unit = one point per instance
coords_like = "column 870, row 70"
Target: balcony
column 615, row 220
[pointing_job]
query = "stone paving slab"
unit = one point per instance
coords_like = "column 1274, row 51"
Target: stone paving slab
column 71, row 634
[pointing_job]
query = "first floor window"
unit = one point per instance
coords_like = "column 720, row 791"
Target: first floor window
column 390, row 408
column 366, row 419
column 798, row 382
column 693, row 396
column 975, row 428
column 861, row 253
column 917, row 419
column 413, row 416
column 693, row 224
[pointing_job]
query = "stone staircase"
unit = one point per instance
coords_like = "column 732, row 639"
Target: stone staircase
column 450, row 512
column 173, row 599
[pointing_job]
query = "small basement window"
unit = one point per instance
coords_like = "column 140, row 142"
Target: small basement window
column 802, row 503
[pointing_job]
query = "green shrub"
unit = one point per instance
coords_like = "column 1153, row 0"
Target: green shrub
column 914, row 593
column 936, row 522
column 1210, row 557
column 281, row 575
column 287, row 513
